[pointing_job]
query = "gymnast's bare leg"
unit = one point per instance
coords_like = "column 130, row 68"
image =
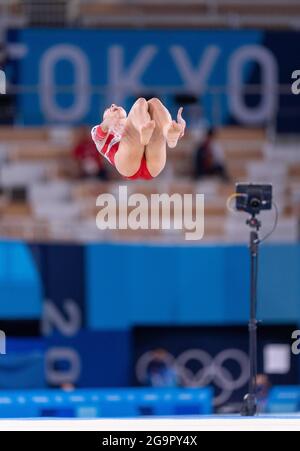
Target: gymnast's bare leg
column 166, row 132
column 136, row 135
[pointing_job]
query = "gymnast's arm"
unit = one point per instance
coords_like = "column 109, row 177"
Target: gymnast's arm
column 100, row 134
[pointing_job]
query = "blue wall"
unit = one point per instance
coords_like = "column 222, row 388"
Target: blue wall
column 183, row 285
column 125, row 285
column 115, row 287
column 280, row 284
column 20, row 287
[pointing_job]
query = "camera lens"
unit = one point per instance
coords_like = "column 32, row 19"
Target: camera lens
column 255, row 203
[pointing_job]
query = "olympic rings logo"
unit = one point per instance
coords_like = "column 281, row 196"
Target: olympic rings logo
column 212, row 370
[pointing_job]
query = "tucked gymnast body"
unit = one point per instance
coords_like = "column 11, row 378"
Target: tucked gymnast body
column 137, row 144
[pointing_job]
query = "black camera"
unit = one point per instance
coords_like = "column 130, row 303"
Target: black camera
column 252, row 198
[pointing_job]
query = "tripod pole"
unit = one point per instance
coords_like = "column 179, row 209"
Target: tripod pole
column 249, row 407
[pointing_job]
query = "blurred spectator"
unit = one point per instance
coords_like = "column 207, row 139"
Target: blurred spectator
column 263, row 386
column 193, row 114
column 209, row 158
column 3, row 54
column 7, row 101
column 198, row 124
column 90, row 163
column 160, row 372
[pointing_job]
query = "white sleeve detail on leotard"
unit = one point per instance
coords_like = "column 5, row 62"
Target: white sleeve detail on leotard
column 100, row 142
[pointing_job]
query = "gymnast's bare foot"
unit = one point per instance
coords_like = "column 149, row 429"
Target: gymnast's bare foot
column 146, row 132
column 172, row 134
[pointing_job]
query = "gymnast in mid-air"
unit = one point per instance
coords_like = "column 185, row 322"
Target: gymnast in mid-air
column 137, row 144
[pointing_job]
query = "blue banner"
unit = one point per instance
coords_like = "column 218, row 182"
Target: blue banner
column 105, row 403
column 71, row 75
column 74, row 74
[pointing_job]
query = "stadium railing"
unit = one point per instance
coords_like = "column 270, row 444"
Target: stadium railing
column 170, row 13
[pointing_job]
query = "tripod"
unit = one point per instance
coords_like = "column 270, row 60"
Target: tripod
column 249, row 407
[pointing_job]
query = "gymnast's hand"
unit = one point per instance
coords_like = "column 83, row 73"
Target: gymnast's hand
column 181, row 121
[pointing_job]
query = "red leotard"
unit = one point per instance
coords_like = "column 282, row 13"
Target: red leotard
column 108, row 145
